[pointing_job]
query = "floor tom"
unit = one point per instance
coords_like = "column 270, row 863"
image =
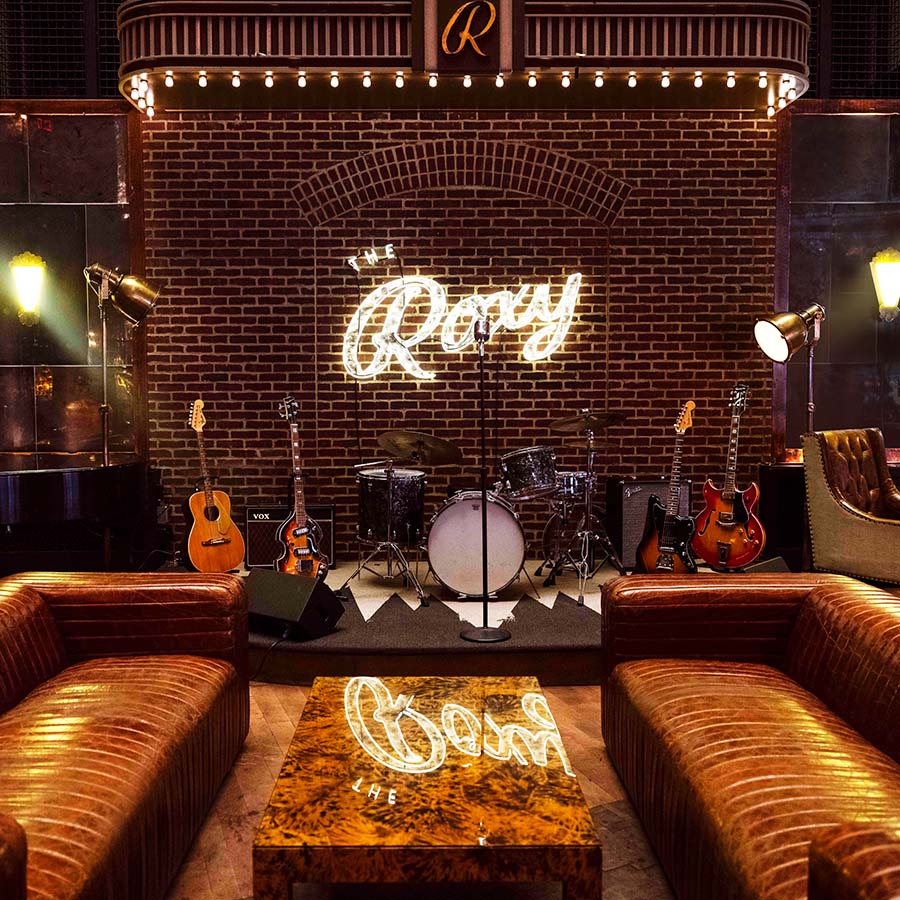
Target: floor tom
column 404, row 525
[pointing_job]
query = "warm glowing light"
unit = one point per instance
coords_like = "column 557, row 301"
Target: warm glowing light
column 301, row 79
column 134, row 94
column 432, row 80
column 170, row 78
column 499, row 79
column 885, row 268
column 202, row 80
column 270, row 79
column 509, row 310
column 698, row 79
column 532, row 79
column 367, row 80
column 598, row 79
column 467, row 81
column 770, row 111
column 236, row 79
column 150, row 97
column 335, row 79
column 134, row 81
column 792, row 93
column 763, row 80
column 782, row 102
column 28, row 275
column 379, row 730
column 632, row 79
column 150, row 112
column 730, row 81
column 399, row 80
column 566, row 79
column 666, row 80
column 142, row 103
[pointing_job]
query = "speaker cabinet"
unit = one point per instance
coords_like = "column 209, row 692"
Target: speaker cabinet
column 261, row 527
column 626, row 510
column 300, row 608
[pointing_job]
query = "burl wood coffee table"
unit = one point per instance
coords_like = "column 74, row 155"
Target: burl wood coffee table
column 426, row 780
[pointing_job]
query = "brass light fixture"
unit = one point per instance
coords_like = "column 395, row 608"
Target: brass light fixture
column 780, row 336
column 28, row 274
column 885, row 268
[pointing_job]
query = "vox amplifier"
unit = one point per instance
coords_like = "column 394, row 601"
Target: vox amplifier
column 263, row 546
column 626, row 510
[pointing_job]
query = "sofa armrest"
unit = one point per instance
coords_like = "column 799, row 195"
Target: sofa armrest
column 13, row 857
column 139, row 613
column 855, row 862
column 742, row 618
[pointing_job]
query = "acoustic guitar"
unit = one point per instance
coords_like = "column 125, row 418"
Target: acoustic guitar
column 298, row 533
column 729, row 535
column 214, row 543
column 666, row 544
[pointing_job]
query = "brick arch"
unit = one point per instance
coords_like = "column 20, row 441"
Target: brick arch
column 518, row 168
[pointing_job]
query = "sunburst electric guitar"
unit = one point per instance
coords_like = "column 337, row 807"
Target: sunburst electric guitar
column 729, row 535
column 666, row 545
column 214, row 543
column 298, row 533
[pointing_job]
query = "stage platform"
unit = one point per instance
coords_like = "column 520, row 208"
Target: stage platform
column 385, row 631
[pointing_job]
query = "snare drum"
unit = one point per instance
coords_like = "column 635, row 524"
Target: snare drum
column 529, row 473
column 570, row 485
column 407, row 506
column 454, row 544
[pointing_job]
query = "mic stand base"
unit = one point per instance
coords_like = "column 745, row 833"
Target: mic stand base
column 485, row 635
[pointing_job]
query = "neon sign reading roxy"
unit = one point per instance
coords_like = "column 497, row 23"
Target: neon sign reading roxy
column 507, row 310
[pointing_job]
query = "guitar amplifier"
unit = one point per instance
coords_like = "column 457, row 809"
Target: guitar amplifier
column 626, row 510
column 263, row 546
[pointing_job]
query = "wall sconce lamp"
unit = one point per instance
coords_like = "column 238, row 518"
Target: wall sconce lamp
column 780, row 336
column 133, row 297
column 28, row 274
column 885, row 267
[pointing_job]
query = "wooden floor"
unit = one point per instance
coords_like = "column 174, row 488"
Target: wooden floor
column 219, row 864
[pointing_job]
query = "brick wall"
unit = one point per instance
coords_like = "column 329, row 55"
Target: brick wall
column 668, row 216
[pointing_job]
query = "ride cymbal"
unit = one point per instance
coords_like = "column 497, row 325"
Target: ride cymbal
column 419, row 447
column 589, row 420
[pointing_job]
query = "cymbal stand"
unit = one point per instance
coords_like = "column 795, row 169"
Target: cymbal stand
column 390, row 546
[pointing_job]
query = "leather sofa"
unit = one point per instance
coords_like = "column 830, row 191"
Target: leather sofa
column 124, row 700
column 752, row 716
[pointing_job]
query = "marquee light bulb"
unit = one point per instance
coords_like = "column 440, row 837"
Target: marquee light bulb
column 698, row 79
column 150, row 97
column 270, row 79
column 792, row 94
column 367, row 80
column 532, row 79
column 566, row 79
column 399, row 80
column 782, row 102
column 236, row 79
column 467, row 81
column 142, row 103
column 301, row 79
column 632, row 79
column 598, row 80
column 499, row 79
column 170, row 78
column 202, row 80
column 665, row 80
column 432, row 80
column 335, row 79
column 730, row 81
column 134, row 93
column 763, row 80
column 150, row 112
column 134, row 81
column 770, row 111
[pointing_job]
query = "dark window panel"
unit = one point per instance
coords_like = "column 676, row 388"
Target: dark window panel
column 16, row 409
column 13, row 160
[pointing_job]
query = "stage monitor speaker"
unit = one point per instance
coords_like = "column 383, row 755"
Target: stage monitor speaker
column 263, row 546
column 626, row 510
column 300, row 608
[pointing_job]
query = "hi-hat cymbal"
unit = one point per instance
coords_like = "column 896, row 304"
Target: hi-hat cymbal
column 589, row 420
column 419, row 447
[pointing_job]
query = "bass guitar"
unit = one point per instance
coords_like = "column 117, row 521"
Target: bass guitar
column 666, row 544
column 729, row 535
column 298, row 533
column 214, row 543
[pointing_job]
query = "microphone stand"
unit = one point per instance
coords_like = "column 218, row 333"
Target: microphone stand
column 485, row 634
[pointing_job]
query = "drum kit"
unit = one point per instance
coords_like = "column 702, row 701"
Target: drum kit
column 392, row 507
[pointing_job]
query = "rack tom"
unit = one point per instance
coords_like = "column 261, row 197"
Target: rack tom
column 529, row 473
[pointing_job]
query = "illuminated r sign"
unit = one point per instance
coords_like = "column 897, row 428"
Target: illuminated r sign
column 462, row 33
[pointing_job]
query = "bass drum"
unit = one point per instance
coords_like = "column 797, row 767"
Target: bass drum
column 454, row 544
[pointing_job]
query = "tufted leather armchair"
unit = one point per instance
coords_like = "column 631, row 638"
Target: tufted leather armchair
column 853, row 505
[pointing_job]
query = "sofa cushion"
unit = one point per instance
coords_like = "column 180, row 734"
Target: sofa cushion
column 734, row 768
column 845, row 649
column 110, row 764
column 31, row 649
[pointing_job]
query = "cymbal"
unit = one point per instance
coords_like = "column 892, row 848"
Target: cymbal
column 589, row 420
column 419, row 447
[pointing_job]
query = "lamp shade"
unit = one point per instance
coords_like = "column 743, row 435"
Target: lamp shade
column 885, row 268
column 28, row 275
column 782, row 335
column 131, row 295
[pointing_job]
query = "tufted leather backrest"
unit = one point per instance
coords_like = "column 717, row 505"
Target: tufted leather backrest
column 845, row 649
column 856, row 470
column 31, row 648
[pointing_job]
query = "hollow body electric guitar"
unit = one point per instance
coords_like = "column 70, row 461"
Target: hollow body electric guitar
column 729, row 535
column 298, row 533
column 214, row 543
column 666, row 544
